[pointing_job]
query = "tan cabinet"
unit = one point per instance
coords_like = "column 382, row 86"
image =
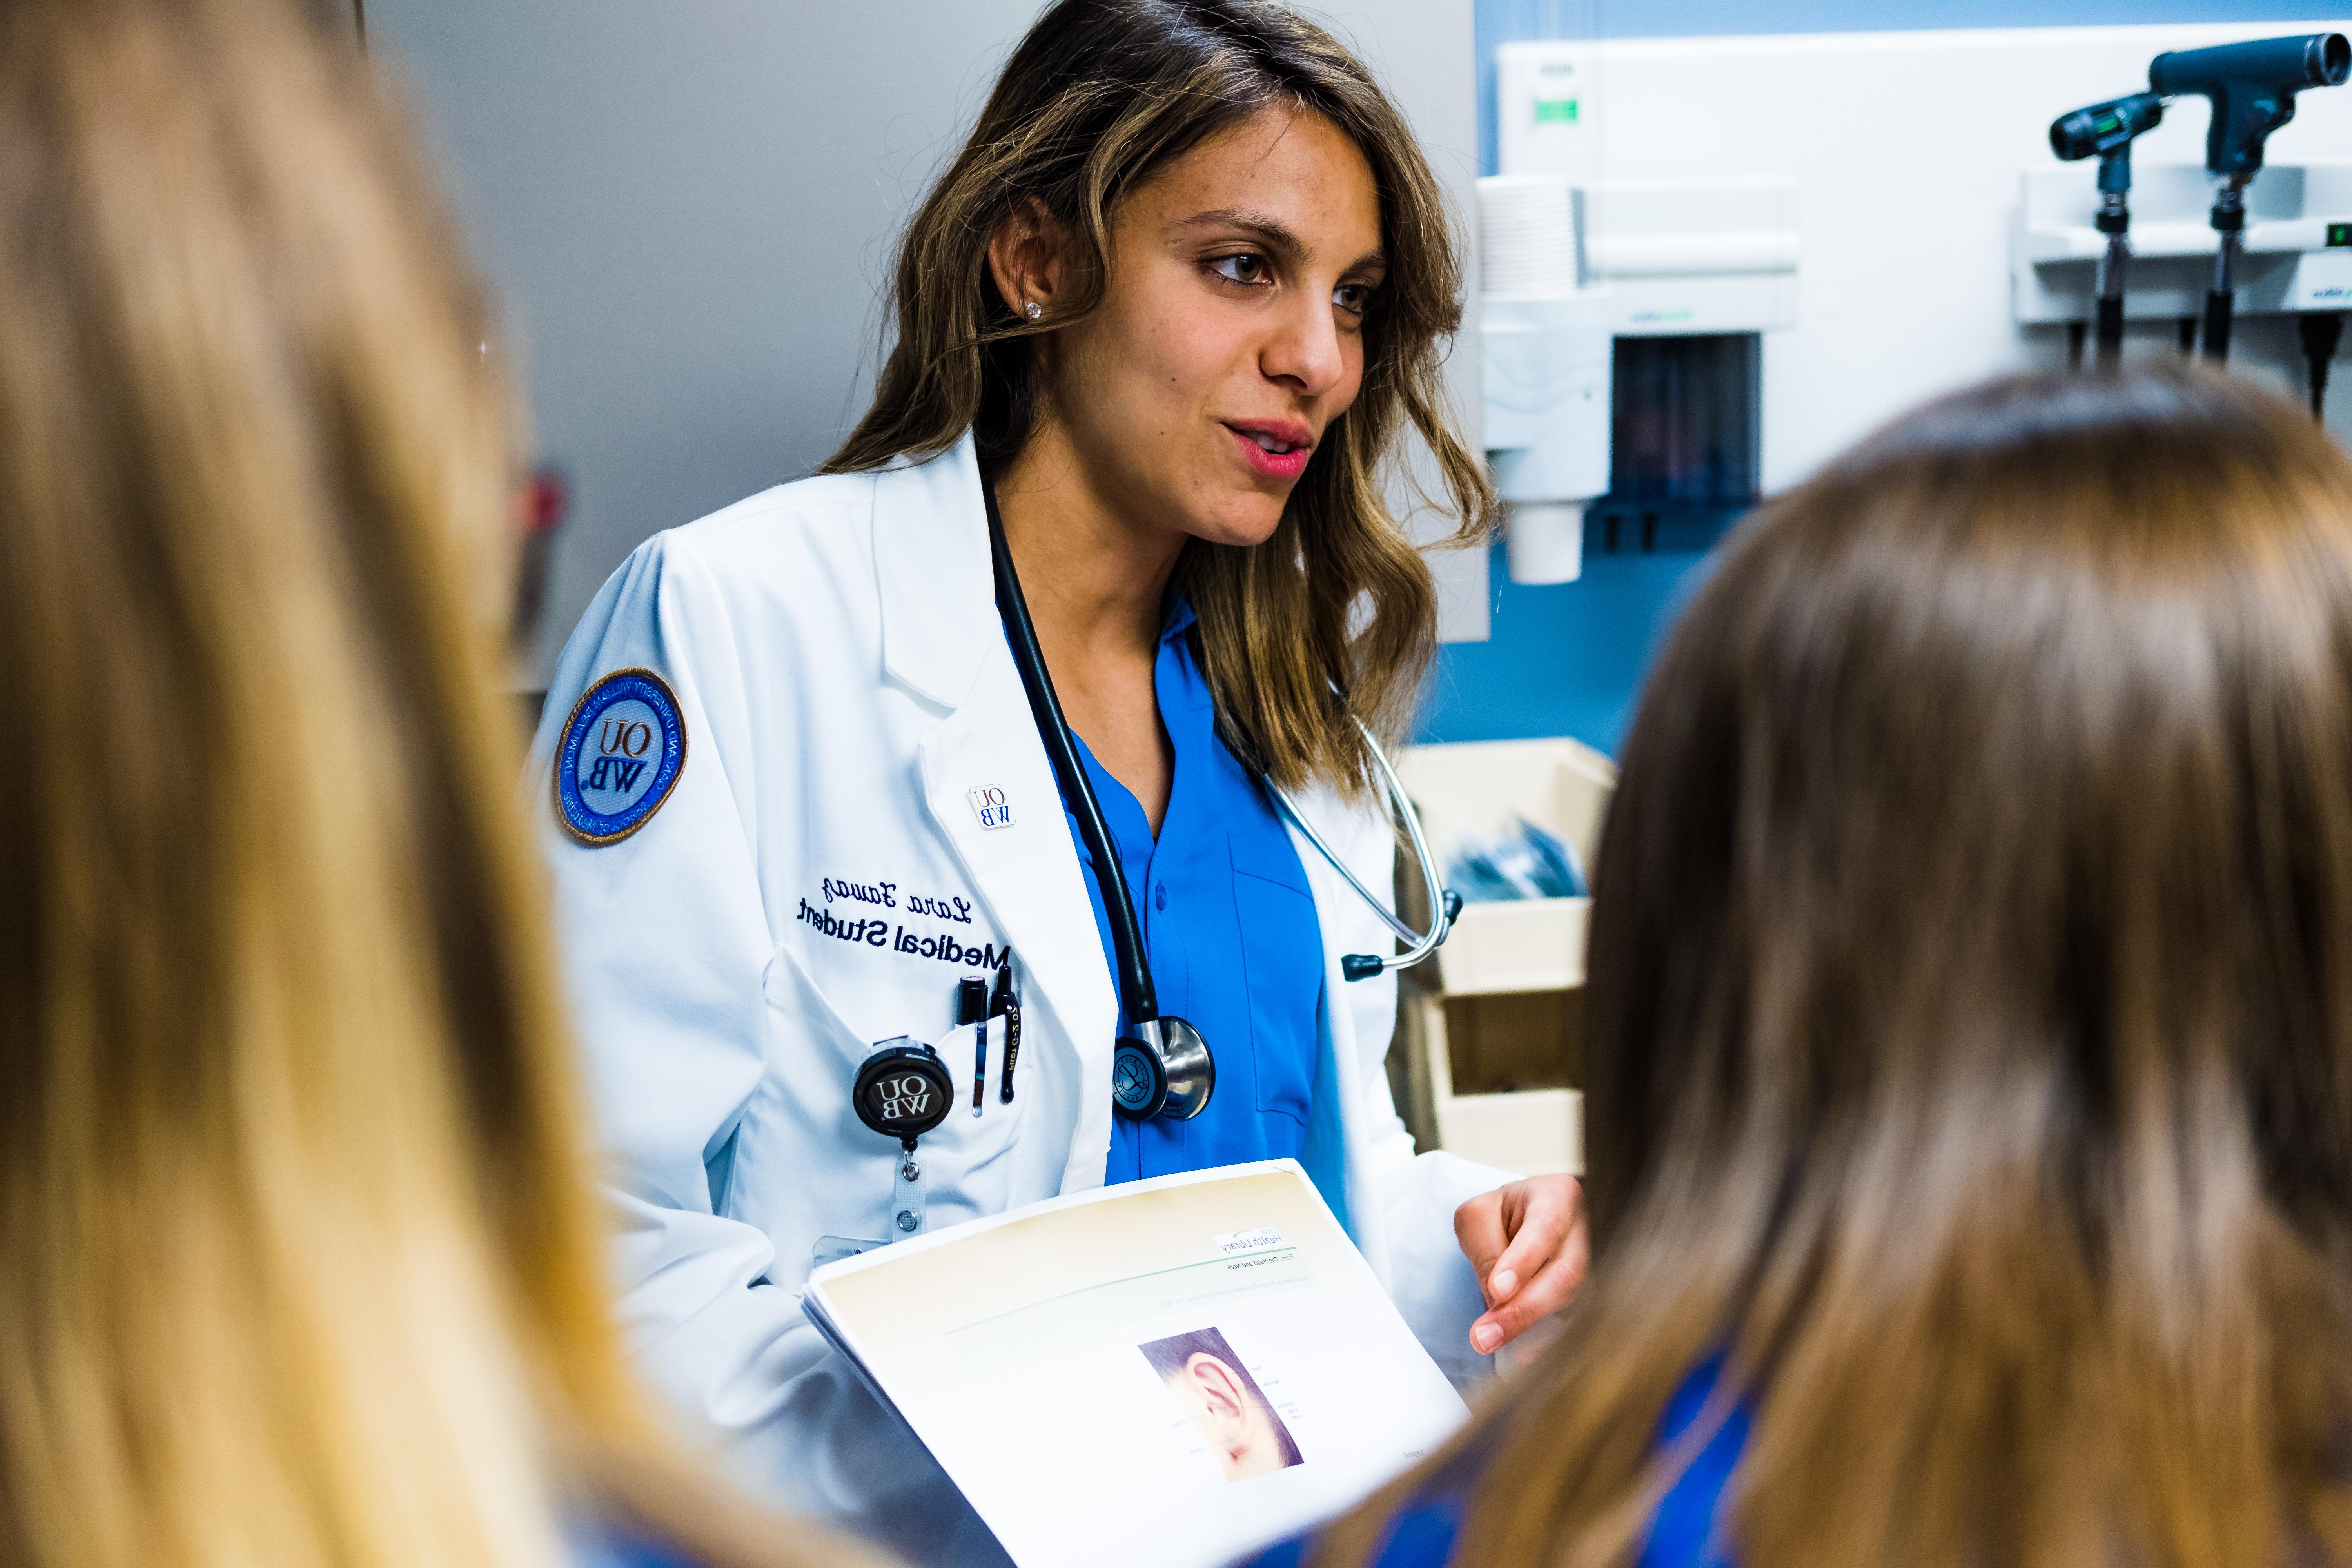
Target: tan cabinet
column 1489, row 1032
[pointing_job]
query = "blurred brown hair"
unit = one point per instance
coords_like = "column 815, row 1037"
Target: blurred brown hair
column 1970, row 1024
column 1099, row 98
column 296, row 1262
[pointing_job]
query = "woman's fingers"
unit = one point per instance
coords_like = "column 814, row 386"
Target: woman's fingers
column 1537, row 1214
column 1535, row 1271
column 1552, row 1286
column 1546, row 1293
column 1478, row 1228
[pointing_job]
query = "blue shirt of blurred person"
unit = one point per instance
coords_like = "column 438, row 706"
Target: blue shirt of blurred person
column 1683, row 1534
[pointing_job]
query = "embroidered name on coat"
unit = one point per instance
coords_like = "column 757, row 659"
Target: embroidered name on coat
column 886, row 895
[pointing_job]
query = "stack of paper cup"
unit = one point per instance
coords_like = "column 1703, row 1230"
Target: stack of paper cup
column 1546, row 348
column 1526, row 236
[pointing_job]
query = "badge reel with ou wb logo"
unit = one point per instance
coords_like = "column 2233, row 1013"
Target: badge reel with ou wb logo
column 903, row 1091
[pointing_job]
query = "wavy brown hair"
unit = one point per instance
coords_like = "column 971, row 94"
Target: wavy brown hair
column 298, row 1262
column 1970, row 1028
column 1099, row 97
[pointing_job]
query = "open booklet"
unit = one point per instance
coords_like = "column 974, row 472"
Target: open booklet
column 1164, row 1374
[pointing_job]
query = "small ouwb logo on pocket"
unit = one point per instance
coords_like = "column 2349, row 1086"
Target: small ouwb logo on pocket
column 988, row 805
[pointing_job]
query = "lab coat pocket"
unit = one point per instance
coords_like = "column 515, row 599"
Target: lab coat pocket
column 1282, row 973
column 819, row 1049
column 802, row 1163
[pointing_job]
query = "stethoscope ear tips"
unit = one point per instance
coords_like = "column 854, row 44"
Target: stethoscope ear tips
column 1364, row 966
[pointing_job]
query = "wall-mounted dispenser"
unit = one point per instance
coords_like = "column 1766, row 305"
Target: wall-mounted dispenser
column 1692, row 270
column 1545, row 338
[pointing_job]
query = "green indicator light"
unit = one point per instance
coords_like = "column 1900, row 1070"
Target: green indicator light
column 1556, row 109
column 2339, row 234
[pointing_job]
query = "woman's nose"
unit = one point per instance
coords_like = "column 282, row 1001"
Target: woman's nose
column 1305, row 349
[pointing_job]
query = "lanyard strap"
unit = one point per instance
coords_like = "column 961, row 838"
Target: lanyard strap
column 1135, row 992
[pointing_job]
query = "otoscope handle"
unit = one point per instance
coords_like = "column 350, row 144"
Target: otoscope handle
column 2220, row 310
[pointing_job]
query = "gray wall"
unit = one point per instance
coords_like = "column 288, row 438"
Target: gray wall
column 686, row 210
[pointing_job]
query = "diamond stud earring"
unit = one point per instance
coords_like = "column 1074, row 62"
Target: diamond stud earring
column 1034, row 309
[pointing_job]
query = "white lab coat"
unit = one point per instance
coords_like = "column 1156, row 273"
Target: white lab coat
column 843, row 681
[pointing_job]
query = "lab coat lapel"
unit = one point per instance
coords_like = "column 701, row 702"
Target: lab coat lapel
column 941, row 635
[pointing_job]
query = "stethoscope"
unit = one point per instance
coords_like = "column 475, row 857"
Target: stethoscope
column 1163, row 1067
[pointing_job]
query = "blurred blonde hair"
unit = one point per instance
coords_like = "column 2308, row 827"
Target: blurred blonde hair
column 297, row 1264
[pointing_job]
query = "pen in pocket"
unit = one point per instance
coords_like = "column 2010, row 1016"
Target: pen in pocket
column 971, row 1007
column 1006, row 1003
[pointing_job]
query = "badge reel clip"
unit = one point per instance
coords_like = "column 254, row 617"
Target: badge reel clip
column 903, row 1091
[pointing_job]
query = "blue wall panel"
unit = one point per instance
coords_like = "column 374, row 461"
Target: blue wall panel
column 1565, row 659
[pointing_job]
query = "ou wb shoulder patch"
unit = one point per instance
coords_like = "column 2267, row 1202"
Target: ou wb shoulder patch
column 623, row 749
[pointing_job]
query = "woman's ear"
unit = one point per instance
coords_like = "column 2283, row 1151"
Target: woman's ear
column 1218, row 1387
column 1026, row 258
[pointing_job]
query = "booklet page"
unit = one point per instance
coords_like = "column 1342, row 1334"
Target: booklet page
column 1167, row 1374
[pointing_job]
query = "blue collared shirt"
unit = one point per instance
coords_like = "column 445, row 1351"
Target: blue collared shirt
column 1229, row 927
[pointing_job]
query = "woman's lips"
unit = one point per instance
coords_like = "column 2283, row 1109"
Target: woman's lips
column 1272, row 465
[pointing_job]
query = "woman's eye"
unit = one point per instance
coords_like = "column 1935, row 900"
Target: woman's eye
column 1352, row 298
column 1243, row 268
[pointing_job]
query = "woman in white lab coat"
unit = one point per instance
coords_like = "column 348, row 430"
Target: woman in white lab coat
column 1171, row 308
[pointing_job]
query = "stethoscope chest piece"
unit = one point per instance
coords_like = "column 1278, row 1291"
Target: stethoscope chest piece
column 903, row 1091
column 1163, row 1068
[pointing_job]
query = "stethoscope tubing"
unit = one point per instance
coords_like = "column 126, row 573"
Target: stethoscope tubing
column 1419, row 944
column 1136, row 991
